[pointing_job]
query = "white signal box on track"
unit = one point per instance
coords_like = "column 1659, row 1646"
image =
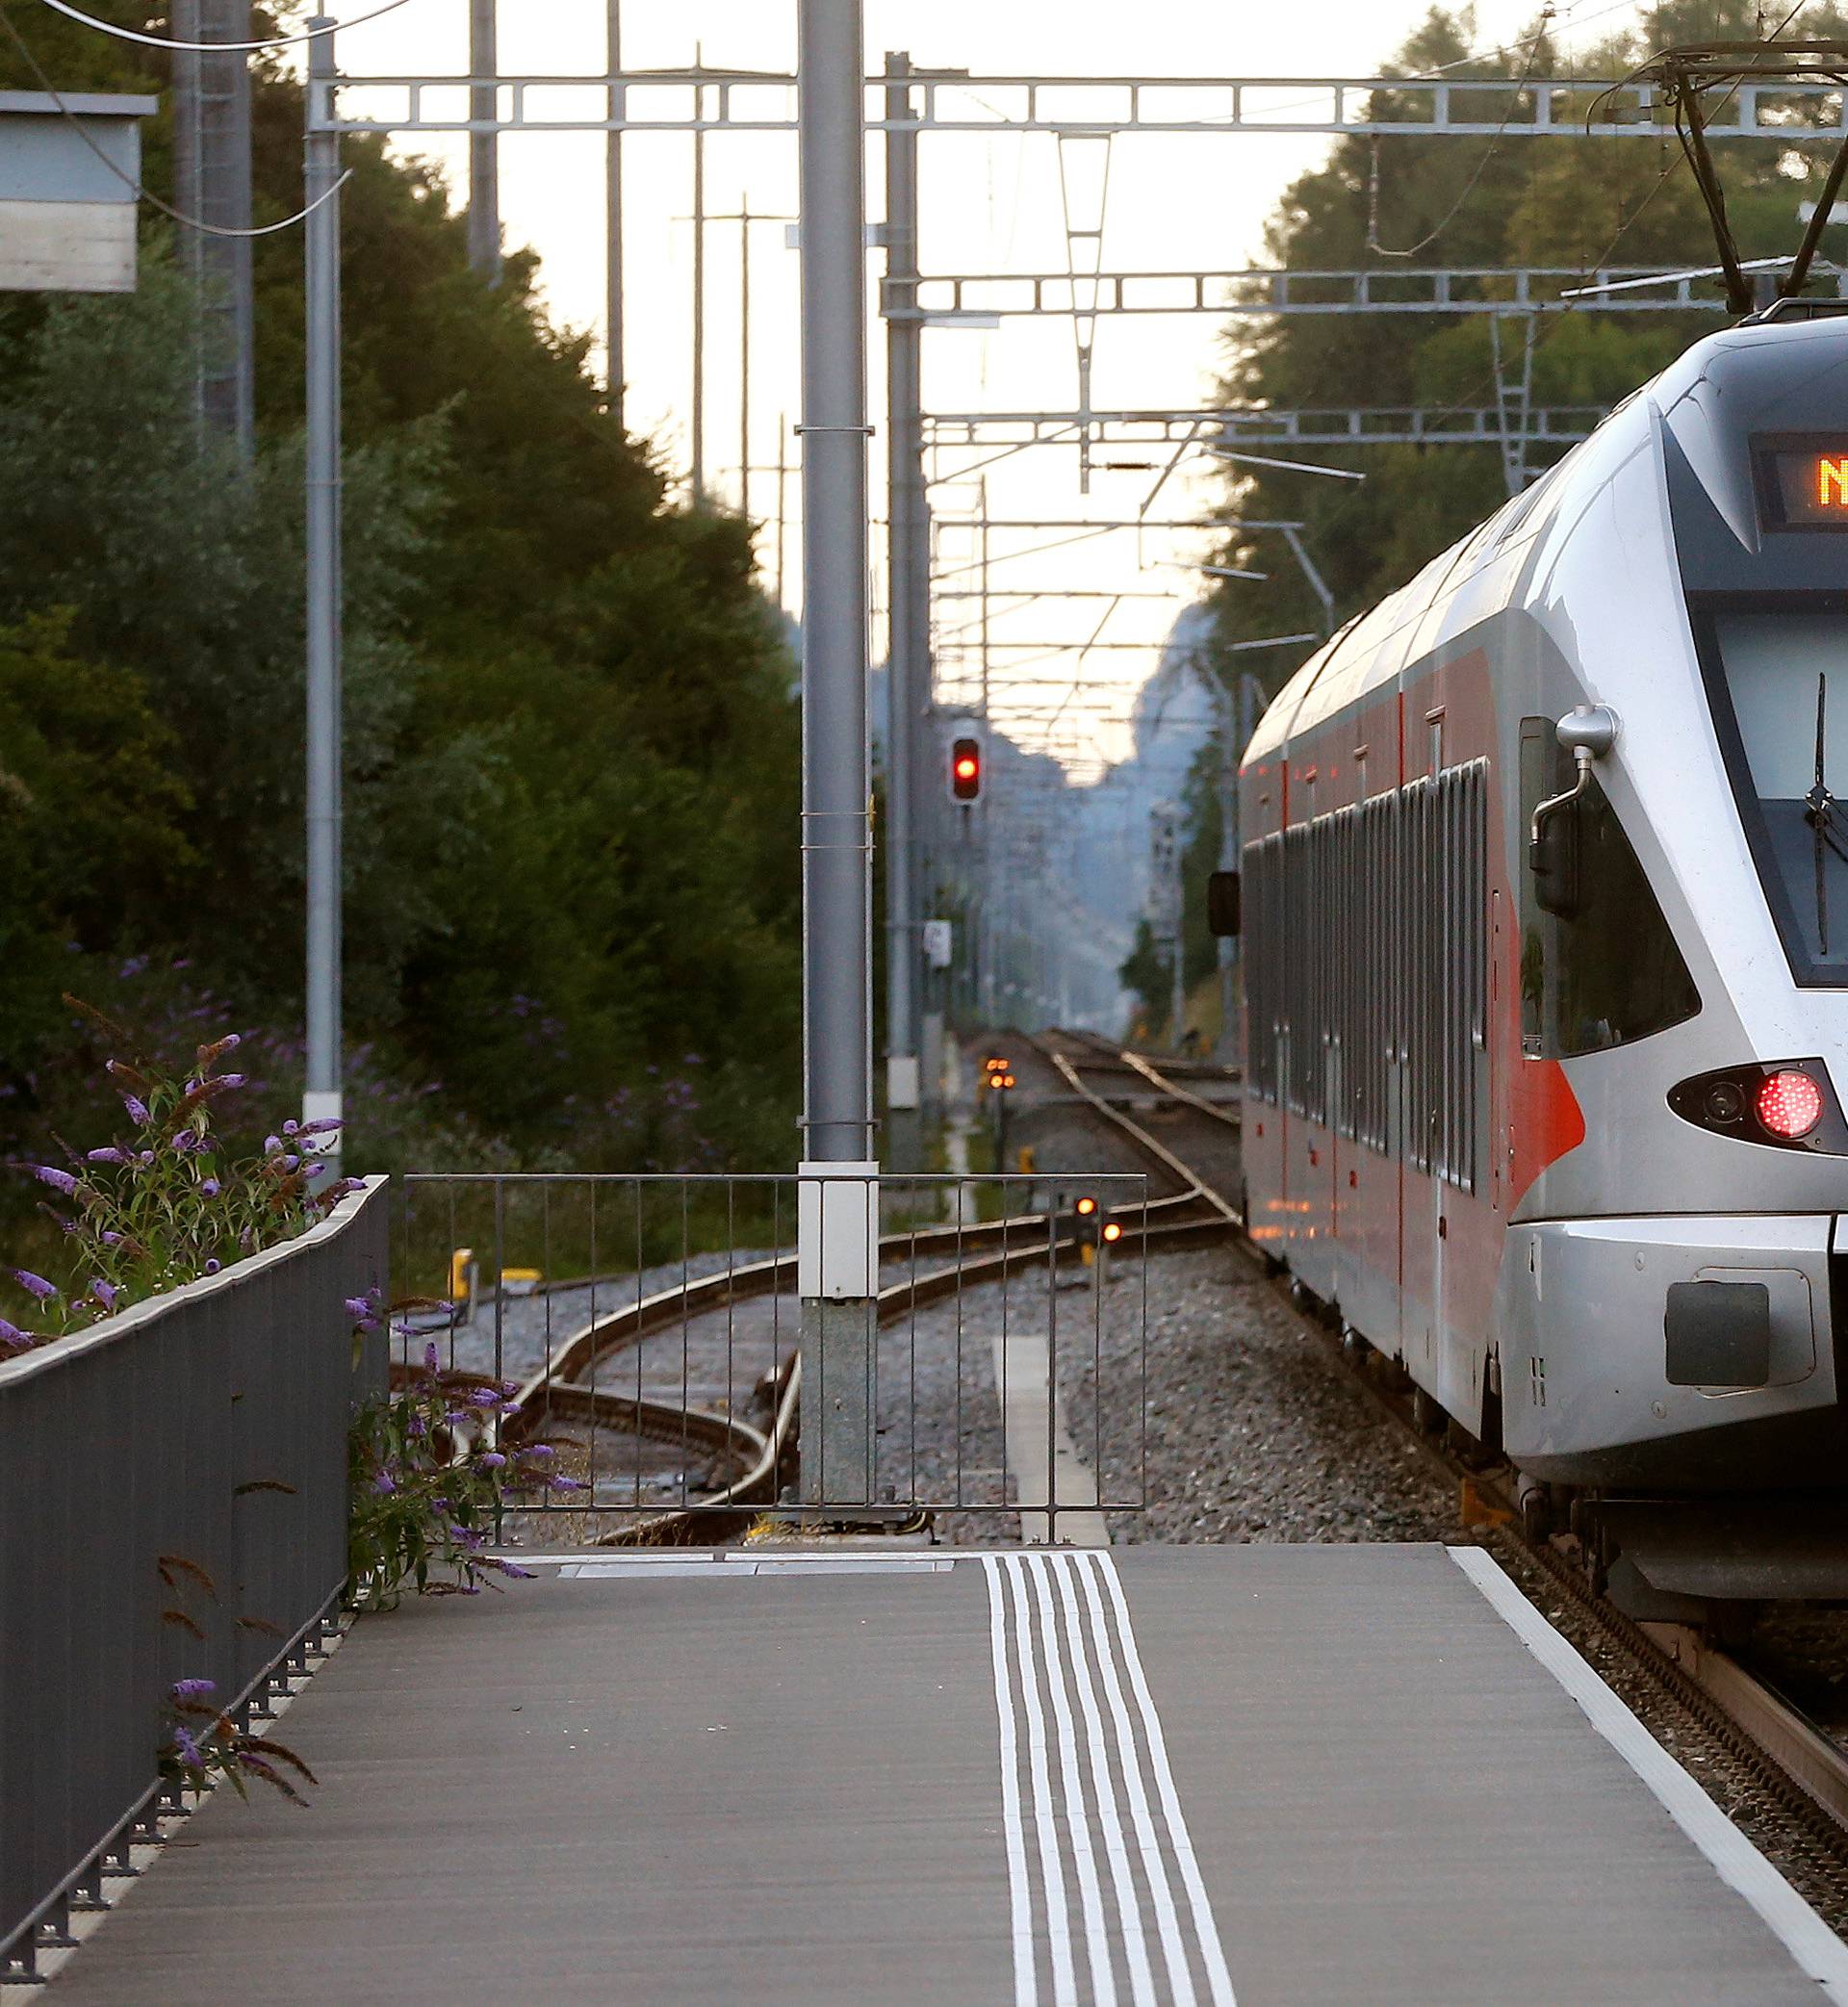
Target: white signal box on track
column 70, row 171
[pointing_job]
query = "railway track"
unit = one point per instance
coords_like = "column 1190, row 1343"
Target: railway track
column 573, row 1389
column 1787, row 1758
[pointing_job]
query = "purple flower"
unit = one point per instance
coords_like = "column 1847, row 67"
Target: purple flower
column 324, row 1127
column 565, row 1484
column 189, row 1749
column 430, row 1356
column 213, row 1265
column 292, row 1127
column 33, row 1285
column 315, row 1171
column 360, row 1309
column 384, row 1483
column 210, row 1187
column 271, row 1144
column 490, row 1461
column 137, row 1110
column 483, row 1397
column 518, row 1574
column 105, row 1293
column 111, row 1239
column 192, row 1689
column 540, row 1452
column 230, row 1080
column 291, row 1162
column 185, row 1140
column 58, row 1180
column 12, row 1337
column 146, row 1157
column 112, row 1155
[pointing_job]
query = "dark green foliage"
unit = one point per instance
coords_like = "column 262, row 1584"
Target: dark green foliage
column 1580, row 204
column 571, row 757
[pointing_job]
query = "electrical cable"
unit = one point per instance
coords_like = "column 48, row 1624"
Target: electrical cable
column 1381, row 250
column 141, row 193
column 216, row 48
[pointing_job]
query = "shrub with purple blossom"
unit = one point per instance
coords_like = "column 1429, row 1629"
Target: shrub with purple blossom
column 431, row 1469
column 204, row 1745
column 165, row 1207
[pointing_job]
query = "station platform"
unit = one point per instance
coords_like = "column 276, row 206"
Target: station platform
column 1327, row 1776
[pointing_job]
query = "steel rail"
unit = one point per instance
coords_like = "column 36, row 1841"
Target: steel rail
column 758, row 1485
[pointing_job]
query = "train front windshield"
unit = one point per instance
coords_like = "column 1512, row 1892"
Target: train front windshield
column 1779, row 684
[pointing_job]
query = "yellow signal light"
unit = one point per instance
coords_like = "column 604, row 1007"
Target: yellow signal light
column 1006, row 1080
column 1113, row 1232
column 1085, row 1207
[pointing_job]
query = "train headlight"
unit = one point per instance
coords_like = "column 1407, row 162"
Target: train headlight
column 1725, row 1102
column 1787, row 1103
column 1790, row 1105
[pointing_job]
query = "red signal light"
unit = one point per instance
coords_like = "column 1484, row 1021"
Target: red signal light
column 1790, row 1105
column 965, row 770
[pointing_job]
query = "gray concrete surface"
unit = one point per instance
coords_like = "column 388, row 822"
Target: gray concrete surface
column 778, row 1785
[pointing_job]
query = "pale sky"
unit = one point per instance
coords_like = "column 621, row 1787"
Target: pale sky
column 991, row 204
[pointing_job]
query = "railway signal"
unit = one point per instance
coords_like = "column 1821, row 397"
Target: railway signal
column 999, row 1083
column 965, row 770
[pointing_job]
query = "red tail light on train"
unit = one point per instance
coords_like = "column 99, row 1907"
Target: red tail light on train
column 1790, row 1105
column 1786, row 1103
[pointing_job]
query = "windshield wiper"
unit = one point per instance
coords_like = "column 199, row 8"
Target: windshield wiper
column 1823, row 808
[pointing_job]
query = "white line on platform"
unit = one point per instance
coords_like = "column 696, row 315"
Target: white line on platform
column 1167, row 1920
column 1078, row 1815
column 1045, row 1812
column 1809, row 1940
column 1082, row 1645
column 1026, row 1986
column 1205, row 1924
column 1039, row 1663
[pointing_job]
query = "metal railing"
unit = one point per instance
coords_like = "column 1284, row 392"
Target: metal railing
column 655, row 1329
column 173, row 1502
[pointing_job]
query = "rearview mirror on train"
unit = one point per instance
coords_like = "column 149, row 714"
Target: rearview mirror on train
column 1588, row 731
column 1553, row 856
column 1222, row 903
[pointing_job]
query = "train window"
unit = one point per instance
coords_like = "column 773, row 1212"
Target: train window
column 1611, row 973
column 1779, row 685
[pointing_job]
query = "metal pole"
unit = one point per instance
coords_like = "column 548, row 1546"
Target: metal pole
column 905, row 481
column 840, row 1271
column 613, row 223
column 744, row 360
column 699, row 285
column 321, row 1100
column 1317, row 584
column 782, row 497
column 1230, row 747
column 212, row 180
column 484, row 147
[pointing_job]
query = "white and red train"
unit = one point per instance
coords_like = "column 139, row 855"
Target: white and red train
column 1545, row 901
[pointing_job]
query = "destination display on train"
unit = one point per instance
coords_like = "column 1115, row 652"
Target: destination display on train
column 1804, row 484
